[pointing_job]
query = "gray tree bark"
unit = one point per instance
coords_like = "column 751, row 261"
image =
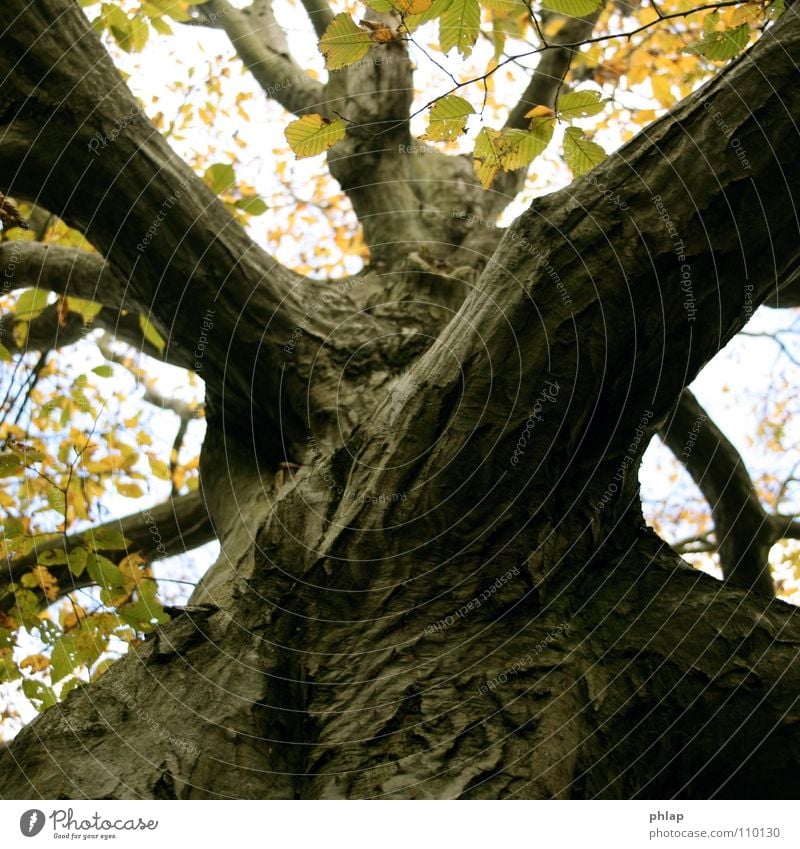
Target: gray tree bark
column 451, row 592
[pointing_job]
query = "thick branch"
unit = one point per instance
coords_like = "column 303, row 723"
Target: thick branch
column 174, row 527
column 66, row 271
column 261, row 44
column 51, row 330
column 617, row 308
column 742, row 527
column 72, row 134
column 320, row 14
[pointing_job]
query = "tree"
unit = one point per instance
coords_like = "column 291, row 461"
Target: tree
column 435, row 577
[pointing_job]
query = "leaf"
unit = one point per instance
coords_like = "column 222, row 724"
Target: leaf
column 87, row 310
column 77, row 560
column 459, row 26
column 486, row 158
column 580, row 152
column 103, row 371
column 540, row 111
column 129, row 490
column 579, row 104
column 343, row 43
column 719, row 46
column 10, row 465
column 402, row 7
column 448, row 118
column 103, row 572
column 10, row 216
column 30, row 304
column 132, row 36
column 35, row 662
column 159, row 468
column 313, row 134
column 40, row 694
column 573, row 8
column 151, row 334
column 252, row 205
column 63, row 659
column 57, row 500
column 220, row 177
column 106, row 539
column 518, row 148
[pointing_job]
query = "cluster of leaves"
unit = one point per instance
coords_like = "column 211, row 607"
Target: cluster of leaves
column 625, row 44
column 129, row 23
column 76, row 644
column 69, row 445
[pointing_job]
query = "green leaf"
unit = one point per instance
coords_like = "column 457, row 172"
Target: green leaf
column 57, row 500
column 40, row 694
column 10, row 465
column 313, row 134
column 103, row 371
column 579, row 104
column 54, row 557
column 151, row 334
column 103, row 572
column 573, row 8
column 459, row 26
column 402, row 7
column 87, row 310
column 30, row 304
column 220, row 177
column 106, row 539
column 434, row 11
column 133, row 36
column 161, row 26
column 518, row 148
column 448, row 118
column 146, row 610
column 580, row 152
column 77, row 560
column 343, row 43
column 64, row 658
column 719, row 46
column 252, row 205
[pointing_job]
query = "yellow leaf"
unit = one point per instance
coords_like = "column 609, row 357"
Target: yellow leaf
column 486, row 159
column 35, row 662
column 448, row 118
column 540, row 111
column 313, row 134
column 343, row 42
column 129, row 490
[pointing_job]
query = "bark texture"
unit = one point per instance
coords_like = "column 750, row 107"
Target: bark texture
column 451, row 592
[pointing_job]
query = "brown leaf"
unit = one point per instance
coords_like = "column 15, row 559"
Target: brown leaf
column 10, row 216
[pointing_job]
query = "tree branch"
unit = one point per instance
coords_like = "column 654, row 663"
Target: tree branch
column 589, row 298
column 744, row 531
column 73, row 136
column 320, row 14
column 171, row 528
column 51, row 330
column 66, row 271
column 261, row 44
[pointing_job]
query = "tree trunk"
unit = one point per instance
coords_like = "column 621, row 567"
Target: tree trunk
column 625, row 674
